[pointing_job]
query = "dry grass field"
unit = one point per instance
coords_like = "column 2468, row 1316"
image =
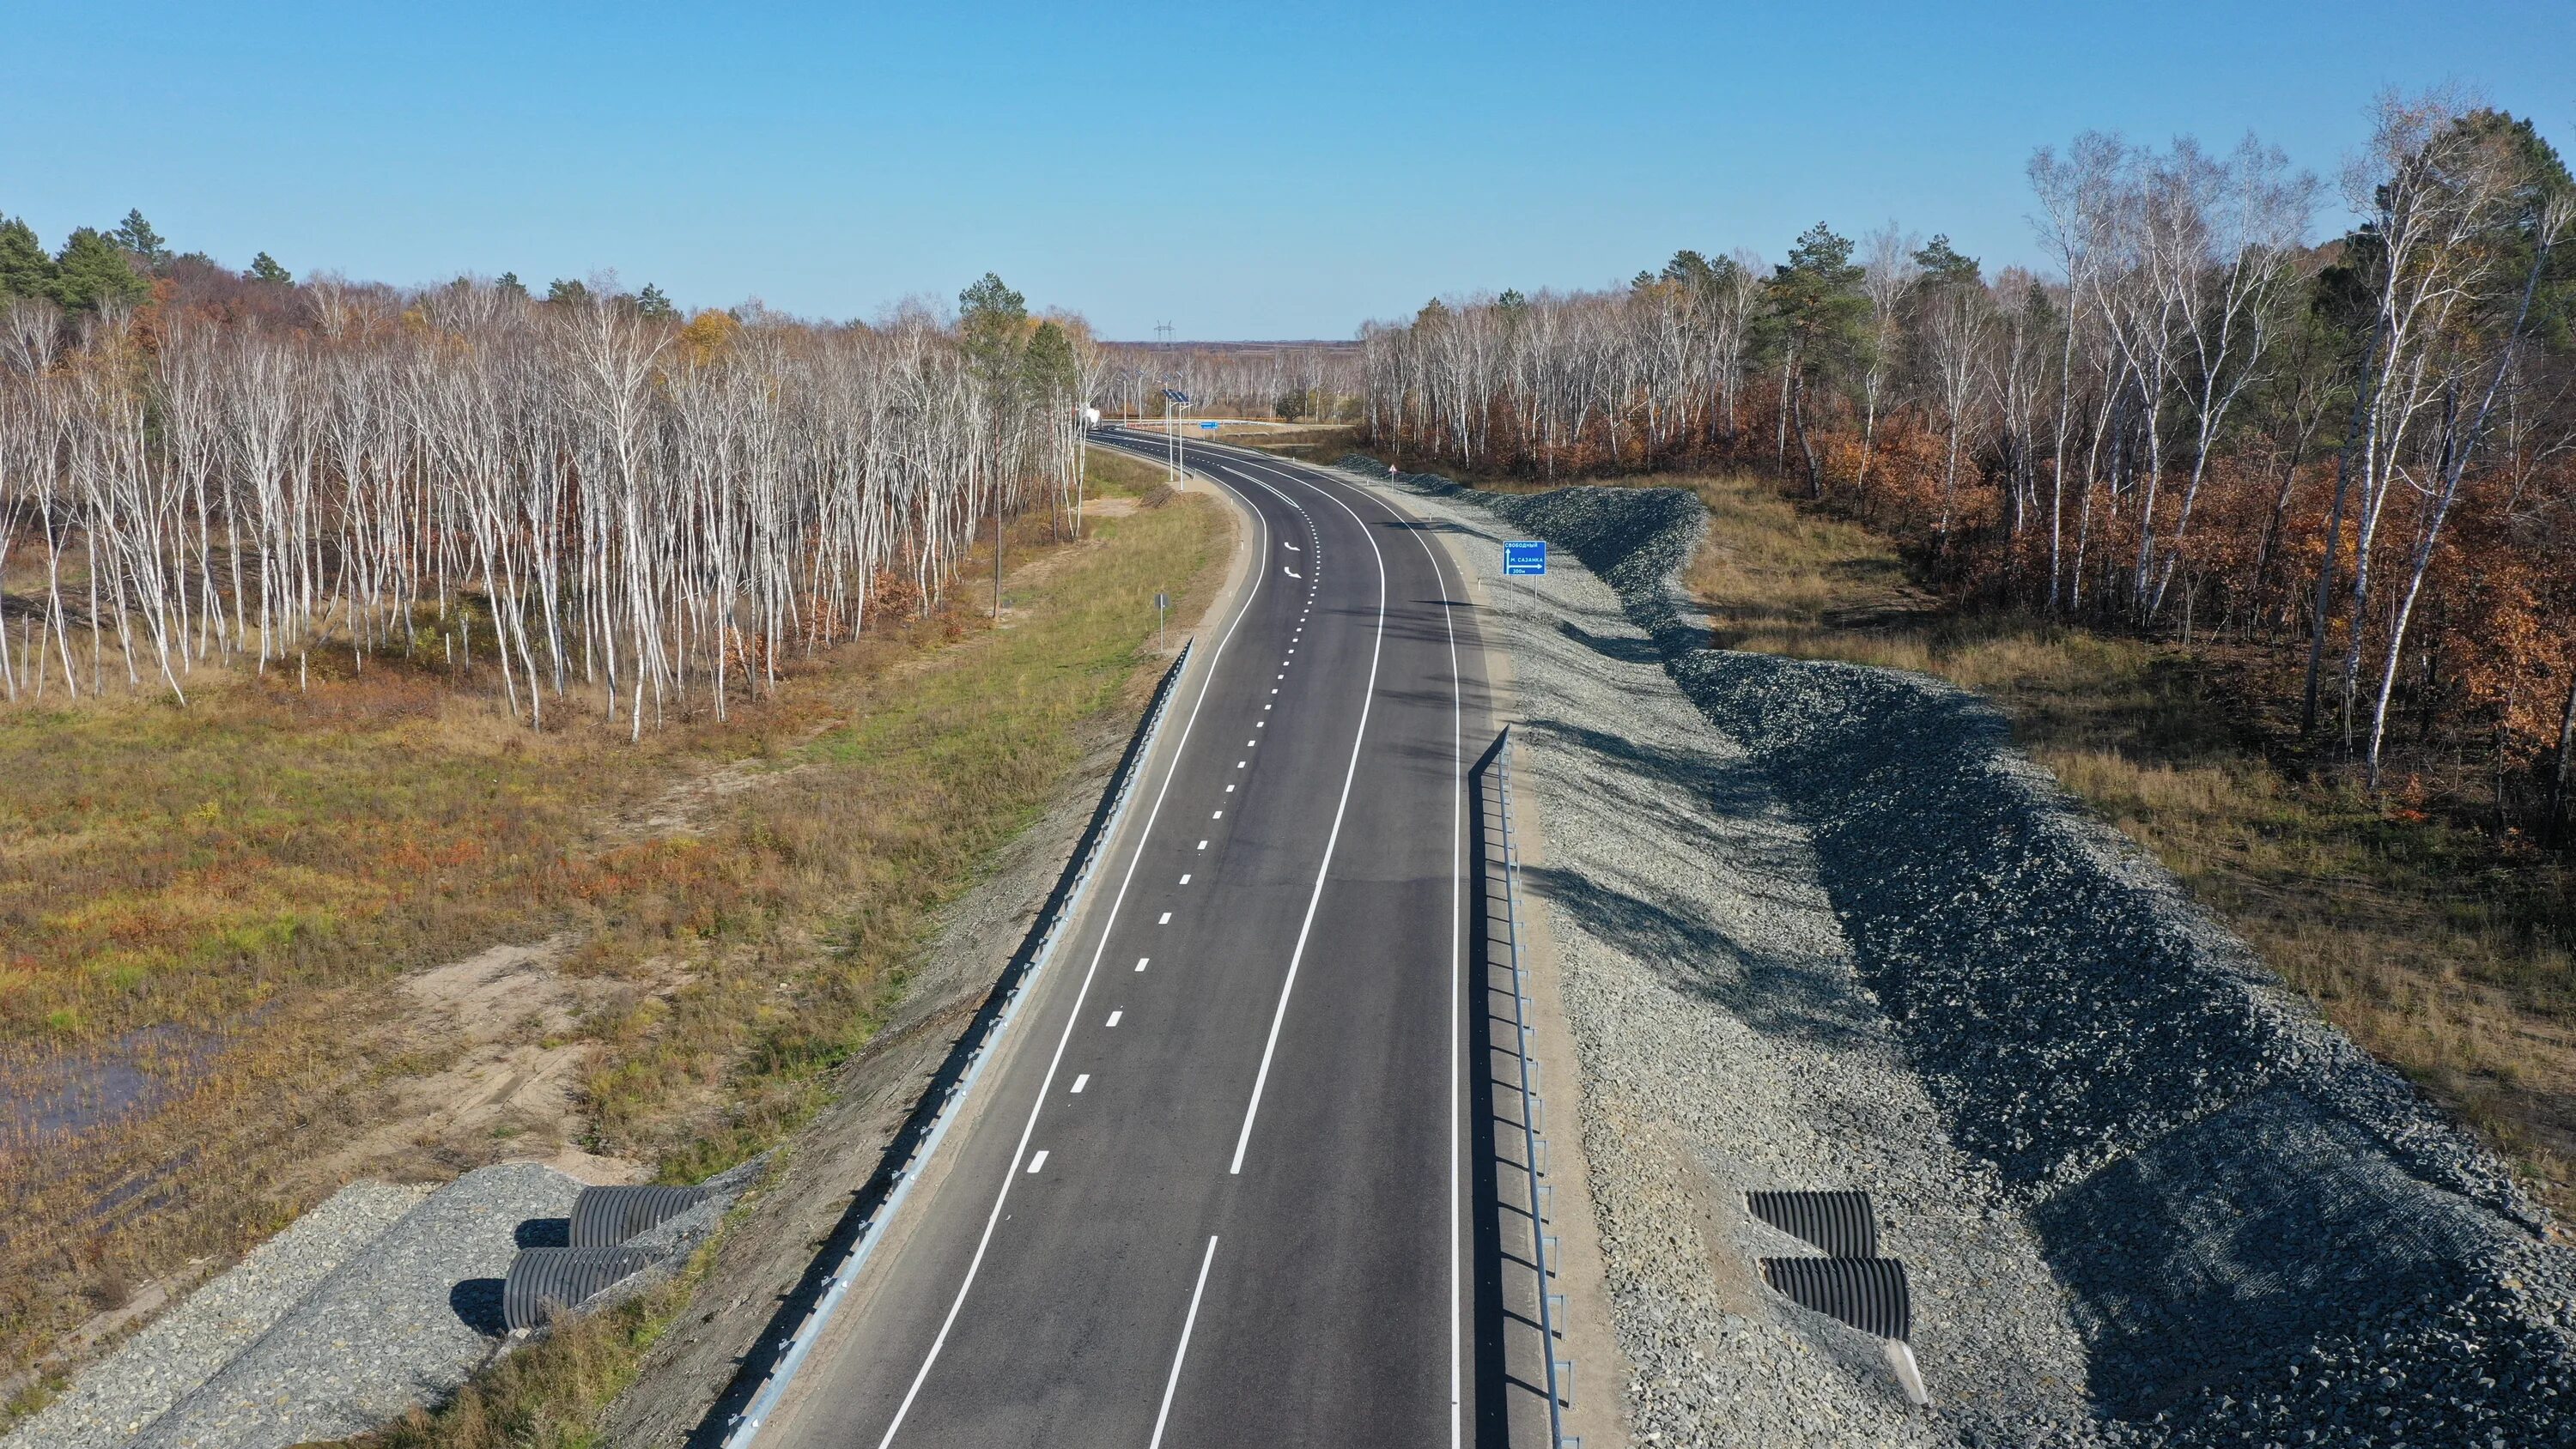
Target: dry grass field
column 285, row 937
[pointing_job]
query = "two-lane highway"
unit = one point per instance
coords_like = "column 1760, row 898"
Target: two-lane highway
column 1210, row 1193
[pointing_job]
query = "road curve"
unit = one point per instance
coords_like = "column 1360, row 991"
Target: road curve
column 1211, row 1194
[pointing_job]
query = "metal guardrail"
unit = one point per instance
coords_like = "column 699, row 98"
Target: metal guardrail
column 1560, row 1372
column 747, row 1425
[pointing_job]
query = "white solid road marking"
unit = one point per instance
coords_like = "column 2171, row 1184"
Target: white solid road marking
column 1457, row 1030
column 1350, row 773
column 1182, row 1352
column 1001, row 1198
column 1082, row 1081
column 1037, row 1162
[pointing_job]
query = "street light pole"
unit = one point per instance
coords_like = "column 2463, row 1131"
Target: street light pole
column 1176, row 446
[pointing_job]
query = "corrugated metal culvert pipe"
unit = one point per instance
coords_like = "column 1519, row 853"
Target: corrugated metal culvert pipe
column 1851, row 1284
column 603, row 1217
column 559, row 1280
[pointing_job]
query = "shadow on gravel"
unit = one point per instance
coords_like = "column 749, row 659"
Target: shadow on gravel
column 477, row 1303
column 545, row 1233
column 2269, row 1221
column 1626, row 651
column 1771, row 996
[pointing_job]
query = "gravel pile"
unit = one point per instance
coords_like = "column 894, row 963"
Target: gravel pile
column 345, row 1320
column 2254, row 1233
column 183, row 1348
column 1728, row 1045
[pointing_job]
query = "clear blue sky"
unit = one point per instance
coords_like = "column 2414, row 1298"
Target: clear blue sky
column 1271, row 170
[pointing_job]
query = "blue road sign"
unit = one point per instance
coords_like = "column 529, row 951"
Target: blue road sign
column 1207, row 427
column 1525, row 556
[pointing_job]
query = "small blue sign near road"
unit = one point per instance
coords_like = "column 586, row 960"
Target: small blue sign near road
column 1525, row 556
column 1209, row 427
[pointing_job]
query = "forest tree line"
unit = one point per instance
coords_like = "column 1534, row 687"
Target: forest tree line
column 584, row 493
column 1292, row 382
column 2362, row 453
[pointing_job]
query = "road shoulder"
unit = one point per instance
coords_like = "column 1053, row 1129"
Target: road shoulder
column 1597, row 1414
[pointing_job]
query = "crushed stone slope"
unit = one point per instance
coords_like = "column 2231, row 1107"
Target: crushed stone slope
column 400, row 1324
column 2263, row 1233
column 120, row 1396
column 1728, row 1045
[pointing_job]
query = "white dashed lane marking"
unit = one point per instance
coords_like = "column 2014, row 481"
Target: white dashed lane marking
column 1141, row 960
column 1082, row 1081
column 1038, row 1161
column 1185, row 880
column 1113, row 1017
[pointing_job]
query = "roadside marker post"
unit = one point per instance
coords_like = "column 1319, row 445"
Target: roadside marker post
column 1162, row 601
column 1524, row 557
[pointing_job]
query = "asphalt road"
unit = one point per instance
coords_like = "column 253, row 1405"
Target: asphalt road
column 1211, row 1190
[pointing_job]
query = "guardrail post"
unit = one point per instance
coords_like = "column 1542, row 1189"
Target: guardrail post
column 1551, row 1306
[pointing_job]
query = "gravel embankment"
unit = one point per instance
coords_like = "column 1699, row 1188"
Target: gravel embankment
column 400, row 1324
column 1729, row 1045
column 117, row 1398
column 2243, row 1230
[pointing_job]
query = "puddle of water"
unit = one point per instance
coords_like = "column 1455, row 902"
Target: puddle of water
column 81, row 1091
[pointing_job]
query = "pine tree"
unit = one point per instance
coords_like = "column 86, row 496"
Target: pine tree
column 25, row 270
column 1943, row 266
column 94, row 272
column 510, row 285
column 264, row 268
column 137, row 236
column 1817, row 313
column 652, row 303
column 989, row 315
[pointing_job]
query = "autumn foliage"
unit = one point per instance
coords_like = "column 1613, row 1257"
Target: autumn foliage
column 2358, row 458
